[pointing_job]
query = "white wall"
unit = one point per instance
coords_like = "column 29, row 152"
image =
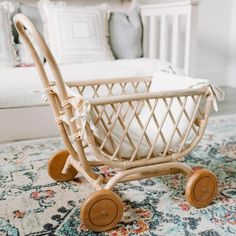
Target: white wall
column 213, row 40
column 216, row 52
column 232, row 47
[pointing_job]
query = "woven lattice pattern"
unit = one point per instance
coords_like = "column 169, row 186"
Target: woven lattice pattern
column 140, row 128
column 111, row 87
column 147, row 128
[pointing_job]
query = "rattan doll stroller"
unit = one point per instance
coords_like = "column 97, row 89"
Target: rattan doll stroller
column 106, row 125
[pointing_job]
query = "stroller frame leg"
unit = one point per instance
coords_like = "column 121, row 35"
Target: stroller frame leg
column 96, row 183
column 149, row 171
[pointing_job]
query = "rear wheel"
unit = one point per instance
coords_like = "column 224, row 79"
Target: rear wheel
column 56, row 164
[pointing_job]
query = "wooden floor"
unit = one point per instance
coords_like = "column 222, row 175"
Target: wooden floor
column 228, row 105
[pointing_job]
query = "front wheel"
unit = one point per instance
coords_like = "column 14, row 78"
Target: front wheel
column 102, row 211
column 201, row 188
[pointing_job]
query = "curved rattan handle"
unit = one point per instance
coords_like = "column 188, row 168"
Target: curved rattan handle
column 29, row 34
column 25, row 28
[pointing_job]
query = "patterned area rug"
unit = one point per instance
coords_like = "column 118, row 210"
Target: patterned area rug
column 32, row 204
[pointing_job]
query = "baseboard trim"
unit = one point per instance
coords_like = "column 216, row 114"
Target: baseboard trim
column 26, row 123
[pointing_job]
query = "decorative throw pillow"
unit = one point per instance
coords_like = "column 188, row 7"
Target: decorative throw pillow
column 31, row 12
column 126, row 34
column 76, row 34
column 7, row 50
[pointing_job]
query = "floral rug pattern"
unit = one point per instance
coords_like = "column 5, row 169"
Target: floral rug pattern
column 33, row 204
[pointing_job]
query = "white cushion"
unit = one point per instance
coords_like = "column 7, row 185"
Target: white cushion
column 16, row 84
column 76, row 34
column 162, row 81
column 7, row 51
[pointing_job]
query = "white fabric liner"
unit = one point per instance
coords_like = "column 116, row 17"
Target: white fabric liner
column 17, row 84
column 162, row 81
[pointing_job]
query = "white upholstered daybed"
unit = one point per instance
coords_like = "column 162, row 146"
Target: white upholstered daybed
column 164, row 27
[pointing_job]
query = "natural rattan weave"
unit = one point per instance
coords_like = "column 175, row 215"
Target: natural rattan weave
column 119, row 107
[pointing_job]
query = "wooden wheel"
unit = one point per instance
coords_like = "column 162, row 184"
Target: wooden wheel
column 56, row 164
column 201, row 188
column 102, row 210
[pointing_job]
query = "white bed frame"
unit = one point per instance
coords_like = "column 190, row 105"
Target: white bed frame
column 175, row 41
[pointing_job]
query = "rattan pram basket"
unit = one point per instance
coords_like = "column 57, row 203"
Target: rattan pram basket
column 75, row 116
